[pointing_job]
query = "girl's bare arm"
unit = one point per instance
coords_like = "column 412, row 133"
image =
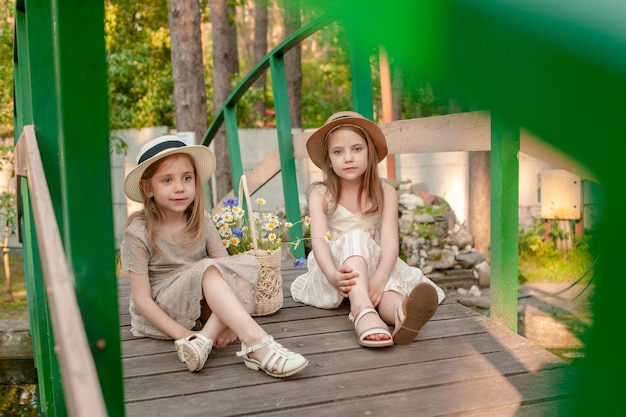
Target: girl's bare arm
column 319, row 227
column 142, row 297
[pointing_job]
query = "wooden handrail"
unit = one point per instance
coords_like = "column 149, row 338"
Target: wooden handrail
column 460, row 132
column 81, row 386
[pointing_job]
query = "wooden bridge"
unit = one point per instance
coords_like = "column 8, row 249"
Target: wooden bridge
column 556, row 70
column 461, row 364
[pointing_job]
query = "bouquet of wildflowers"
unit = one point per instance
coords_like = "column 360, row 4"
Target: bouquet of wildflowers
column 235, row 229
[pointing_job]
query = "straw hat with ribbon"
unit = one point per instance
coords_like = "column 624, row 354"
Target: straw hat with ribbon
column 316, row 144
column 158, row 149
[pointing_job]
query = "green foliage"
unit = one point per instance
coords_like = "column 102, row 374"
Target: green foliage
column 139, row 67
column 16, row 400
column 7, row 198
column 326, row 89
column 7, row 11
column 17, row 309
column 540, row 260
column 425, row 230
column 117, row 145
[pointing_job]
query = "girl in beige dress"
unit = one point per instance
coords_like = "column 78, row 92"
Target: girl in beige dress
column 354, row 235
column 180, row 274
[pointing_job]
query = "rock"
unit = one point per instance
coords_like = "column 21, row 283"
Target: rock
column 410, row 247
column 470, row 260
column 410, row 201
column 475, row 291
column 460, row 238
column 440, row 258
column 423, row 218
column 482, row 271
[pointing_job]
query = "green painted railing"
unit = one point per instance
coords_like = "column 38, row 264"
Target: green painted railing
column 227, row 116
column 61, row 98
column 60, row 89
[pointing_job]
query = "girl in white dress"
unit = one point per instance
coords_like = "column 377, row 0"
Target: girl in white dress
column 354, row 235
column 179, row 271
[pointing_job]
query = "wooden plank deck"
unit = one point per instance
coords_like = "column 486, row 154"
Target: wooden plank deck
column 461, row 364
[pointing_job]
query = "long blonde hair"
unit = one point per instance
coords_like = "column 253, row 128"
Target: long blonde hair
column 371, row 180
column 153, row 215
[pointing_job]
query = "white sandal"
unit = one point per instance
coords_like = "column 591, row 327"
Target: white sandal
column 285, row 361
column 421, row 305
column 178, row 344
column 194, row 350
column 362, row 337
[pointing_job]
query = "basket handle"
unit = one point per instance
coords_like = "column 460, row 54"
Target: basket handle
column 243, row 189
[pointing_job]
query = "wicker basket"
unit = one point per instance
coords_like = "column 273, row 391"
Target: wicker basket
column 269, row 297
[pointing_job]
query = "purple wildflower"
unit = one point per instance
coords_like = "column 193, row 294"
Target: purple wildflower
column 237, row 232
column 299, row 263
column 231, row 202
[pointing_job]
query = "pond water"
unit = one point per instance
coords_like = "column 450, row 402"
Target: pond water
column 18, row 400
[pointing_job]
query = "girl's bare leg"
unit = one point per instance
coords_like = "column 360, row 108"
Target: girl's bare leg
column 229, row 313
column 359, row 298
column 389, row 306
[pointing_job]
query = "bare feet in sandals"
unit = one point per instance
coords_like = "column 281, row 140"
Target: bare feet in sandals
column 413, row 313
column 371, row 330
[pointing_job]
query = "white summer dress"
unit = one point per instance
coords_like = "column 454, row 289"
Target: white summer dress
column 176, row 274
column 352, row 234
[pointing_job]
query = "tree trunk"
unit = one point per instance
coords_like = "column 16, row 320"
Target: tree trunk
column 260, row 49
column 225, row 67
column 7, row 266
column 293, row 63
column 480, row 200
column 187, row 68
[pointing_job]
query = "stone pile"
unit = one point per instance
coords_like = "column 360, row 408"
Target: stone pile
column 432, row 239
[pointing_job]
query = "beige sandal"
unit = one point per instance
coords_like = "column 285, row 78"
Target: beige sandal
column 285, row 361
column 368, row 332
column 421, row 305
column 194, row 350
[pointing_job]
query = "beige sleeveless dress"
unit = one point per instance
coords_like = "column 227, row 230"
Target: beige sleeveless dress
column 176, row 274
column 352, row 234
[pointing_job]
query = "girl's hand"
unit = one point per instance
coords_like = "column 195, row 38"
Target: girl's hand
column 225, row 338
column 375, row 291
column 343, row 280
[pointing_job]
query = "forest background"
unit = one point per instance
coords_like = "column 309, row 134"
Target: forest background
column 173, row 63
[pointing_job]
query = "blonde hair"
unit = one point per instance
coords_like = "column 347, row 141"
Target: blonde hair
column 371, row 180
column 153, row 215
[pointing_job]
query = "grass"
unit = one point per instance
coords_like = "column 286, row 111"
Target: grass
column 18, row 308
column 541, row 261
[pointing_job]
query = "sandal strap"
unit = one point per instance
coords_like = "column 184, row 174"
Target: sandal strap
column 400, row 314
column 362, row 312
column 277, row 355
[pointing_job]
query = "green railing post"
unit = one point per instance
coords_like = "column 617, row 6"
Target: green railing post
column 285, row 149
column 83, row 138
column 234, row 150
column 51, row 401
column 34, row 101
column 505, row 146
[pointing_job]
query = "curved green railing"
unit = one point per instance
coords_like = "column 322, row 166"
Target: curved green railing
column 274, row 61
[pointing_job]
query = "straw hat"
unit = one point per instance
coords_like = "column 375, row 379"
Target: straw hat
column 161, row 147
column 315, row 145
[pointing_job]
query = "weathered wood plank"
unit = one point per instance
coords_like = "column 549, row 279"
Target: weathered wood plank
column 461, row 363
column 344, row 383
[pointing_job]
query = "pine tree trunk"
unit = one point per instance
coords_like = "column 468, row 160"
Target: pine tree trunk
column 225, row 67
column 293, row 63
column 7, row 266
column 187, row 67
column 479, row 218
column 260, row 49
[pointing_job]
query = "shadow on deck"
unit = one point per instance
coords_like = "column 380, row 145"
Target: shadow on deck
column 461, row 364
